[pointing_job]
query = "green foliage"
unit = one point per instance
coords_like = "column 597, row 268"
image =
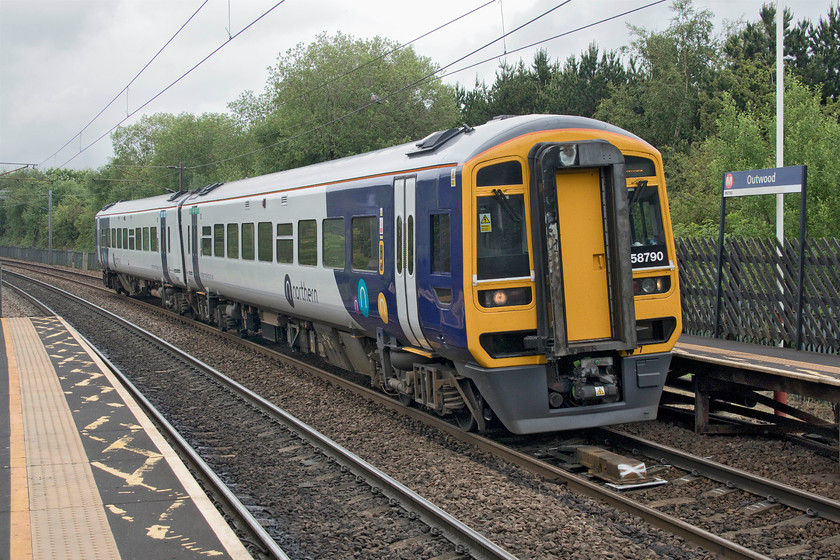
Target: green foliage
column 576, row 88
column 668, row 103
column 315, row 109
column 706, row 102
column 812, row 52
column 746, row 140
column 149, row 152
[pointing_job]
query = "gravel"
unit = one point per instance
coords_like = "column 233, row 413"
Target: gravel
column 529, row 517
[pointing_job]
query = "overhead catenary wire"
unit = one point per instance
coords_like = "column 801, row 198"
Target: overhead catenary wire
column 395, row 92
column 167, row 88
column 559, row 35
column 125, row 89
column 389, row 53
column 430, row 75
column 402, row 89
column 338, row 77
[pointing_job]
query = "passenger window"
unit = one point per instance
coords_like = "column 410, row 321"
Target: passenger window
column 248, row 241
column 440, row 244
column 153, row 240
column 218, row 240
column 308, row 242
column 400, row 242
column 264, row 241
column 131, row 239
column 409, row 265
column 125, row 238
column 206, row 241
column 365, row 233
column 145, row 239
column 138, row 239
column 285, row 243
column 333, row 242
column 233, row 241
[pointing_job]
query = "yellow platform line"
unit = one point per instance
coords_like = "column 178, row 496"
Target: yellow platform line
column 65, row 513
column 20, row 541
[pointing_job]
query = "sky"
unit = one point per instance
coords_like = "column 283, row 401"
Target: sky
column 63, row 61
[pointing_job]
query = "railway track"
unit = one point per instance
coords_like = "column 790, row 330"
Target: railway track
column 806, row 517
column 333, row 489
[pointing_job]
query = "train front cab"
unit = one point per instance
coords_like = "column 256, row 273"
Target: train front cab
column 566, row 330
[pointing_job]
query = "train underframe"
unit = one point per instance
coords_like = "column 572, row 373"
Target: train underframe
column 571, row 393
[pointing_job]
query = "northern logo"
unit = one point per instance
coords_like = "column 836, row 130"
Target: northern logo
column 299, row 292
column 288, row 289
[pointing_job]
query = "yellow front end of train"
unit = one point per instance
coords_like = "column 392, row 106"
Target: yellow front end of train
column 570, row 276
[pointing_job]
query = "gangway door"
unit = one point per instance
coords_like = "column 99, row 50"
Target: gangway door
column 581, row 236
column 583, row 255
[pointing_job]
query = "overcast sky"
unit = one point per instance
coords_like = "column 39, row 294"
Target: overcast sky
column 63, row 61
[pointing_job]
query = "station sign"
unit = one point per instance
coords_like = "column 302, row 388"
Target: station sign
column 775, row 180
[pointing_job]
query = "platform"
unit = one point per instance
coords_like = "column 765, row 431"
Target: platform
column 785, row 362
column 731, row 371
column 88, row 474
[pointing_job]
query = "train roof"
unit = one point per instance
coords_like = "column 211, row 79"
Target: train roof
column 449, row 147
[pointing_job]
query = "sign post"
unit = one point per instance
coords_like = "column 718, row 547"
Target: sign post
column 777, row 180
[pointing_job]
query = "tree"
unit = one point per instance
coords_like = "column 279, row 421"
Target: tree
column 211, row 146
column 812, row 52
column 341, row 96
column 575, row 89
column 825, row 48
column 667, row 103
column 582, row 84
column 746, row 139
column 474, row 103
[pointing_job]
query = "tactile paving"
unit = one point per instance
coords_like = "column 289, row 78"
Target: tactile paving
column 67, row 519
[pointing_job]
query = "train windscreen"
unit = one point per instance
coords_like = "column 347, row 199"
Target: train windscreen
column 502, row 237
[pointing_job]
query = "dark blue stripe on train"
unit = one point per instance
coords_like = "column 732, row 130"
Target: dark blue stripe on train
column 443, row 324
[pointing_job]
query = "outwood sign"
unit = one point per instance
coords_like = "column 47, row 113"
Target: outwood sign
column 777, row 180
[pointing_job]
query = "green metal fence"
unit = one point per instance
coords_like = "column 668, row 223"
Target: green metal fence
column 71, row 259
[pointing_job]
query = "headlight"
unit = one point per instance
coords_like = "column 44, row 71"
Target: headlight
column 504, row 297
column 567, row 155
column 652, row 285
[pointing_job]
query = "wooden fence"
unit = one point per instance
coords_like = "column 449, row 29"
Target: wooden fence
column 760, row 291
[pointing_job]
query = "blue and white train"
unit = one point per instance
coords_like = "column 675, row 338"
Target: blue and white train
column 523, row 270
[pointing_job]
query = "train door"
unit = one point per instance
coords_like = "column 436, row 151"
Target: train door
column 103, row 240
column 164, row 261
column 195, row 247
column 582, row 249
column 405, row 259
column 581, row 237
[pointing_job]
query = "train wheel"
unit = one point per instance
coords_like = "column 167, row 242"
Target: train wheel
column 465, row 418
